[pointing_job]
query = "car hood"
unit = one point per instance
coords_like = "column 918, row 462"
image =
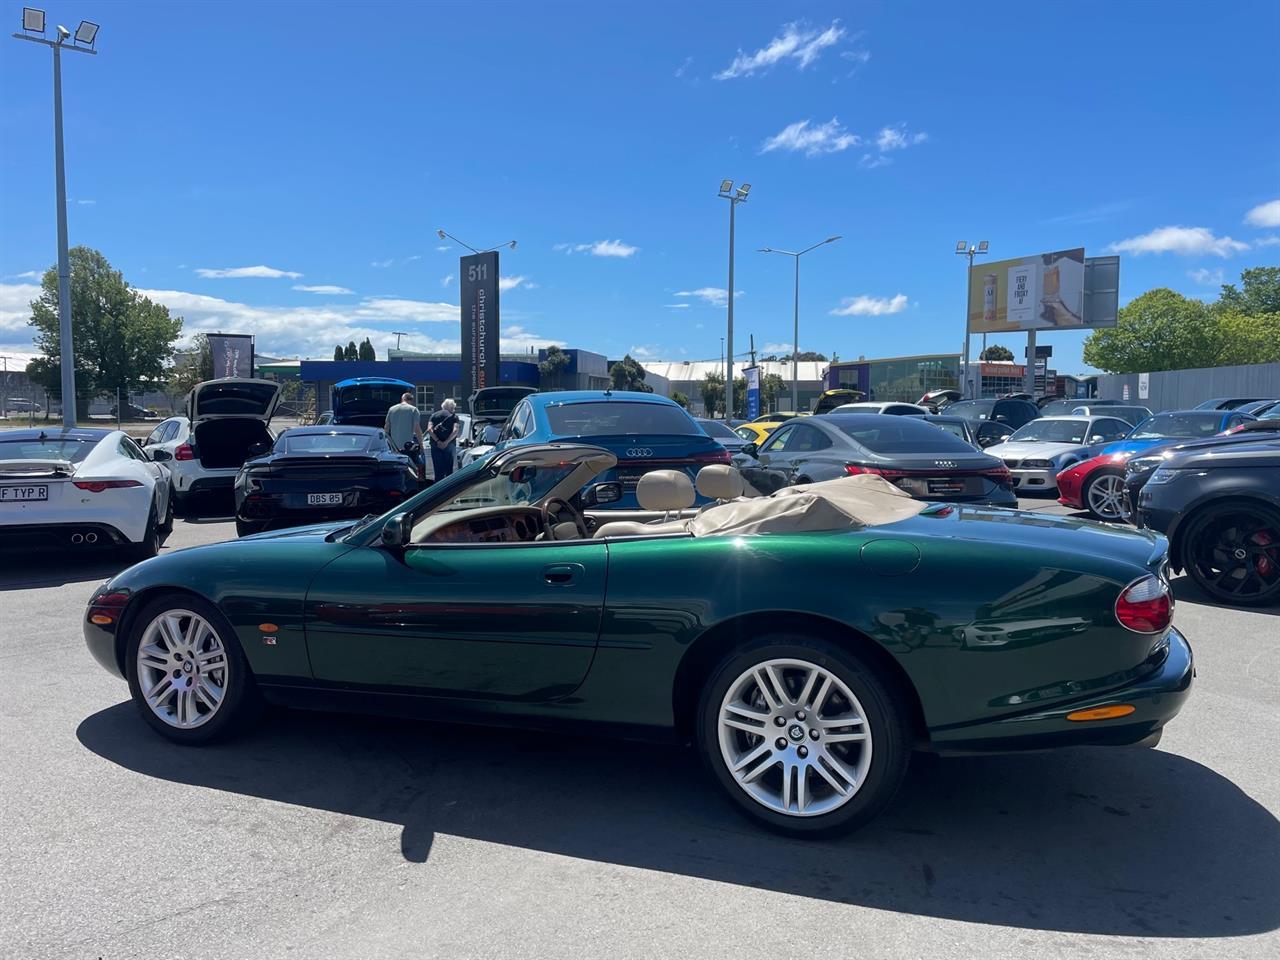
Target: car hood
column 1034, row 449
column 315, row 531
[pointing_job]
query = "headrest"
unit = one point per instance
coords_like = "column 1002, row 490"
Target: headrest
column 719, row 481
column 665, row 490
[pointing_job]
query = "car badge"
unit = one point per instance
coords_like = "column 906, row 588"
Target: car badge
column 950, row 464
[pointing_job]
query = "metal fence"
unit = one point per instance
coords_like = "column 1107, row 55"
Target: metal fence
column 1184, row 389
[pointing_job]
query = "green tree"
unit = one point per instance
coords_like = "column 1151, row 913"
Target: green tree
column 1160, row 330
column 680, row 398
column 712, row 390
column 366, row 351
column 1260, row 293
column 804, row 355
column 771, row 388
column 191, row 366
column 628, row 374
column 351, row 351
column 122, row 339
column 740, row 396
column 997, row 352
column 552, row 366
column 1249, row 339
column 339, row 354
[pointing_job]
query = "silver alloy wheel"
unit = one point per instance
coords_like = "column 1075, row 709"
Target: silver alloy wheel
column 182, row 669
column 794, row 737
column 1106, row 496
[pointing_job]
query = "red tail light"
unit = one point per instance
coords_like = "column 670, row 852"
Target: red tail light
column 714, row 456
column 97, row 486
column 1145, row 606
column 184, row 452
column 999, row 474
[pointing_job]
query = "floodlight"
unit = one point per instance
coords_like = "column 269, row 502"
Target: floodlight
column 513, row 244
column 961, row 245
column 86, row 32
column 982, row 246
column 744, row 189
column 726, row 186
column 33, row 19
column 832, row 239
column 441, row 234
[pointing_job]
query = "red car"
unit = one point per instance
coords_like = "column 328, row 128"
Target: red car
column 1096, row 485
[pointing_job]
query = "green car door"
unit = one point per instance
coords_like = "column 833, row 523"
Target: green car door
column 504, row 621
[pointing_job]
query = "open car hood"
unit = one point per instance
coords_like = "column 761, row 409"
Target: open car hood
column 233, row 397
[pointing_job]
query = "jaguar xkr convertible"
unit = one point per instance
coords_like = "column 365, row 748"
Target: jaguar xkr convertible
column 806, row 642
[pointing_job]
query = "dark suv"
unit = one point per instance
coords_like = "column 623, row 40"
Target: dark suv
column 1220, row 508
column 994, row 420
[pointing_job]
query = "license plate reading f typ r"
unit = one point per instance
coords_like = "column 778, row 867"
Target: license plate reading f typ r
column 14, row 494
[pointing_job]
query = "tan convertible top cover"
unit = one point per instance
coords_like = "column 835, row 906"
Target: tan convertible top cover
column 861, row 501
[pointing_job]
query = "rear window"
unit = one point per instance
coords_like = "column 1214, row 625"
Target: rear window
column 899, row 435
column 55, row 448
column 323, row 443
column 955, row 429
column 718, row 428
column 1178, row 425
column 371, row 398
column 1131, row 414
column 614, row 417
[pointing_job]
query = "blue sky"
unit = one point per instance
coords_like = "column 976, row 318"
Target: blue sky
column 327, row 142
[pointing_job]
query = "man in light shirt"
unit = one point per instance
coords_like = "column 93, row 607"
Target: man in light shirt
column 404, row 425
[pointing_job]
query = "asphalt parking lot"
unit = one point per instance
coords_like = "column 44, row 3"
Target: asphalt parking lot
column 329, row 836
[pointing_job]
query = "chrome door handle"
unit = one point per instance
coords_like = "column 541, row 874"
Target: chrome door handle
column 561, row 574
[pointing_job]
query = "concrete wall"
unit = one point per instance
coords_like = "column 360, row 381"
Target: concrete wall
column 1184, row 389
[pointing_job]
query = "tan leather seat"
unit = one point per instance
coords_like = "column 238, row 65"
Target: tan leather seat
column 665, row 490
column 719, row 481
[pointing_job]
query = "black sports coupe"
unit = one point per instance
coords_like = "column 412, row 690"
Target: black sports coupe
column 316, row 474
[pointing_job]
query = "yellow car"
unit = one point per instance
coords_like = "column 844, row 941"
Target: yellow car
column 756, row 432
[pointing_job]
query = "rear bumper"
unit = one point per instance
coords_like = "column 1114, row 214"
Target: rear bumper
column 60, row 536
column 1157, row 698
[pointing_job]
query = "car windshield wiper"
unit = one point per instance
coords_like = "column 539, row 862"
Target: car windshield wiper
column 351, row 528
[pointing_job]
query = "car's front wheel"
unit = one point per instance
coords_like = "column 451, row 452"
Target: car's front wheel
column 187, row 674
column 803, row 735
column 1104, row 495
column 1233, row 553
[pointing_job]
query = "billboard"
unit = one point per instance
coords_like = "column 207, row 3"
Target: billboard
column 479, row 285
column 753, row 392
column 232, row 354
column 1044, row 292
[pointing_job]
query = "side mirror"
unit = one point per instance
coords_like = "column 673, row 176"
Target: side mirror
column 999, row 418
column 398, row 531
column 599, row 493
column 159, row 456
column 258, row 448
column 751, row 449
column 1097, row 438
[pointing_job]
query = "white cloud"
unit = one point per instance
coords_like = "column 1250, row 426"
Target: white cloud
column 1269, row 241
column 1184, row 241
column 798, row 42
column 864, row 306
column 1210, row 278
column 1264, row 215
column 676, row 306
column 684, row 67
column 515, row 283
column 601, row 248
column 897, row 138
column 446, row 279
column 416, row 256
column 856, row 56
column 642, row 352
column 261, row 271
column 328, row 288
column 716, row 296
column 829, row 137
column 382, row 264
column 85, row 203
column 26, row 275
column 443, row 247
column 15, row 304
column 776, row 348
column 871, row 161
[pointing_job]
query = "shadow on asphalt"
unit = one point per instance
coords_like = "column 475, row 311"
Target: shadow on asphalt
column 1186, row 590
column 1120, row 841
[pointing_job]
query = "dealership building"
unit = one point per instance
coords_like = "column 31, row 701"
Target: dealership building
column 909, row 378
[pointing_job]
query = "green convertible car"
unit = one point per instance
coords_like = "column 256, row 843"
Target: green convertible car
column 805, row 642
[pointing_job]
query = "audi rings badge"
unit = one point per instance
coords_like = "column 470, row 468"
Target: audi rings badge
column 946, row 464
column 636, row 453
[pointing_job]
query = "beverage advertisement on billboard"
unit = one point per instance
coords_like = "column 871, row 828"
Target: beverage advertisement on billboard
column 1044, row 292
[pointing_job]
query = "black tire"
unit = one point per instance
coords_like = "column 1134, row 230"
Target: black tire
column 166, row 527
column 884, row 719
column 1084, row 494
column 181, row 502
column 150, row 544
column 241, row 703
column 245, row 528
column 1210, row 549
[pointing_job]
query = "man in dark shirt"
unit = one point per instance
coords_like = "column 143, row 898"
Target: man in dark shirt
column 444, row 434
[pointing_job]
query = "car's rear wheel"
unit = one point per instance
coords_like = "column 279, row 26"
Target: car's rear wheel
column 803, row 736
column 1104, row 495
column 150, row 543
column 167, row 526
column 187, row 674
column 1233, row 553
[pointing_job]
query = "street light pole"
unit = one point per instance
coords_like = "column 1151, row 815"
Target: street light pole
column 449, row 236
column 795, row 331
column 87, row 32
column 966, row 249
column 734, row 197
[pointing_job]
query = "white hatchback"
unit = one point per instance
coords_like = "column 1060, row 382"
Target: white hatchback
column 81, row 490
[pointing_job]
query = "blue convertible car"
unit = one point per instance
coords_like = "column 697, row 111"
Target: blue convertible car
column 644, row 431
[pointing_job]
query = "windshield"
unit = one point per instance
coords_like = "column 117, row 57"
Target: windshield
column 718, row 428
column 614, row 417
column 327, row 443
column 524, row 485
column 971, row 409
column 1178, row 425
column 52, row 448
column 1051, row 431
column 1129, row 414
column 1061, row 408
column 898, row 435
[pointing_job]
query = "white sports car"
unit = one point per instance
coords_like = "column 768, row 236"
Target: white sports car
column 81, row 490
